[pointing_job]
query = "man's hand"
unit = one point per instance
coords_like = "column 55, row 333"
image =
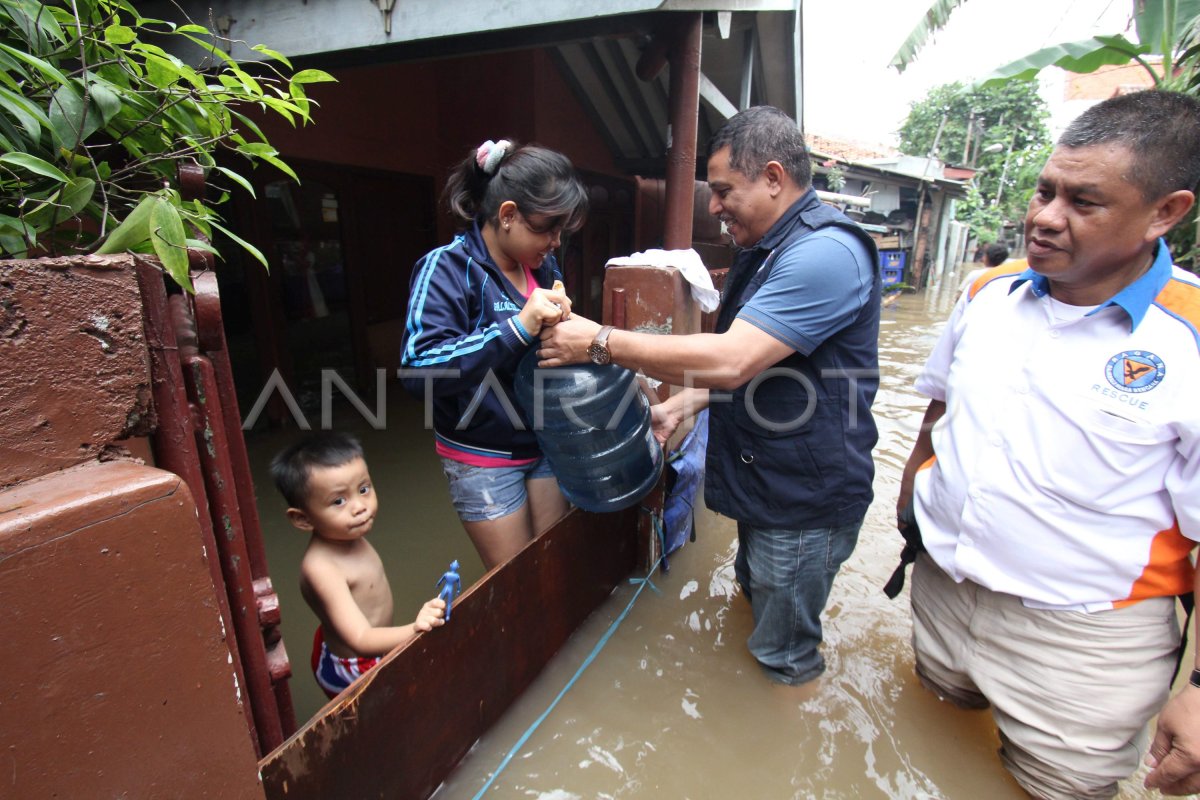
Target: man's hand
column 664, row 421
column 567, row 342
column 1175, row 752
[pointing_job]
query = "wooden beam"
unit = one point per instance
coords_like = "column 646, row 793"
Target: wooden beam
column 401, row 729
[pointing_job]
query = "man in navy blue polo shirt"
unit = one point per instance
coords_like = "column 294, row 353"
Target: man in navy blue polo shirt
column 788, row 376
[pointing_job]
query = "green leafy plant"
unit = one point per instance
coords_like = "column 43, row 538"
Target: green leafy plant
column 1165, row 28
column 97, row 114
column 998, row 130
column 835, row 179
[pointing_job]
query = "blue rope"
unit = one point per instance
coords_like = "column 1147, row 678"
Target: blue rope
column 641, row 583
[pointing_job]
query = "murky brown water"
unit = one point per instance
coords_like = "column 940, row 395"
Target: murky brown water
column 673, row 706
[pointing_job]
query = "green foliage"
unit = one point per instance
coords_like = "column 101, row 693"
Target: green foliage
column 1084, row 56
column 977, row 212
column 96, row 114
column 934, row 20
column 835, row 179
column 1008, row 135
column 1166, row 28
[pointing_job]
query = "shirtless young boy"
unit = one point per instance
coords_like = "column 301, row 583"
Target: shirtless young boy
column 325, row 481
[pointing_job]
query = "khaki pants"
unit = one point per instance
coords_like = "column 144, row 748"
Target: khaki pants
column 1070, row 692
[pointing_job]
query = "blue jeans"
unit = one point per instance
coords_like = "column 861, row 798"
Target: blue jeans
column 787, row 575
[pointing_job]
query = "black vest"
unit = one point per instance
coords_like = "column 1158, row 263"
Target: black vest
column 793, row 449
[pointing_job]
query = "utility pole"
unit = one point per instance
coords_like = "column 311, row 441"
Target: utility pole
column 967, row 141
column 937, row 137
column 1004, row 168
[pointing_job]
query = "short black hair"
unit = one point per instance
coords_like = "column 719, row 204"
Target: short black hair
column 996, row 254
column 1161, row 130
column 291, row 467
column 761, row 134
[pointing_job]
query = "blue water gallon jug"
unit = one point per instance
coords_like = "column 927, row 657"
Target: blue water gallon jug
column 593, row 425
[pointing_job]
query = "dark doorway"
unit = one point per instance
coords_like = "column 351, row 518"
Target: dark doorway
column 341, row 244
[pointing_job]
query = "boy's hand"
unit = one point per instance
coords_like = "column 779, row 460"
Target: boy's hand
column 431, row 615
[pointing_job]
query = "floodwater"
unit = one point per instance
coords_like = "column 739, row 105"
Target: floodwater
column 671, row 704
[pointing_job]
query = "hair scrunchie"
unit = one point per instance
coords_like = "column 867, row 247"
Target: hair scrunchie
column 489, row 155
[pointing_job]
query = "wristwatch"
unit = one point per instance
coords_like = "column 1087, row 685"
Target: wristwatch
column 598, row 350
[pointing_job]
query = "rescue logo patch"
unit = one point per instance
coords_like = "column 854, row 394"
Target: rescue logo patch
column 1135, row 371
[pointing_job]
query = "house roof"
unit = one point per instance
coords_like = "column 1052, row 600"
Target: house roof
column 749, row 53
column 844, row 149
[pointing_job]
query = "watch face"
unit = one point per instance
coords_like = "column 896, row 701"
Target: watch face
column 598, row 353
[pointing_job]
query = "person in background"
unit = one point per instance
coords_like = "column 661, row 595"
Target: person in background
column 993, row 256
column 476, row 306
column 1056, row 478
column 325, row 481
column 788, row 378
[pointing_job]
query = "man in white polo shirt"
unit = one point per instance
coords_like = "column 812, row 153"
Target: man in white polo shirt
column 1056, row 479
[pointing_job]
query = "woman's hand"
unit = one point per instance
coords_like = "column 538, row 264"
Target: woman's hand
column 545, row 307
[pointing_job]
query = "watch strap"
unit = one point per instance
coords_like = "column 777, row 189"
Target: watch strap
column 598, row 350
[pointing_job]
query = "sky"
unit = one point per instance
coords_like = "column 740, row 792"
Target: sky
column 851, row 92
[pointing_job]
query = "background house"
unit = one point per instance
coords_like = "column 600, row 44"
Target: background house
column 899, row 190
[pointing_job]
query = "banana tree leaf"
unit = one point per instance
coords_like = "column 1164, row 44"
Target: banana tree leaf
column 1087, row 55
column 1154, row 18
column 934, row 20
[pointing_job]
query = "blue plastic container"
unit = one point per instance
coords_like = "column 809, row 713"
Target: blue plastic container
column 892, row 275
column 892, row 259
column 593, row 425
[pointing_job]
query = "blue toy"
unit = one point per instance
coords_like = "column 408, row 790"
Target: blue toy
column 451, row 584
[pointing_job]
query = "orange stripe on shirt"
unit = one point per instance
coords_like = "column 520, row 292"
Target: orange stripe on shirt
column 1007, row 268
column 1169, row 571
column 1183, row 300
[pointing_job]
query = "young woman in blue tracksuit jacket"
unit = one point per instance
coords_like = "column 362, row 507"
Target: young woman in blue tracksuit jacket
column 476, row 306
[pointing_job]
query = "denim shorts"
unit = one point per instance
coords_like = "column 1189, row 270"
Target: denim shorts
column 486, row 493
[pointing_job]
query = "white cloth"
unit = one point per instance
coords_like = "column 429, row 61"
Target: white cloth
column 1052, row 482
column 689, row 265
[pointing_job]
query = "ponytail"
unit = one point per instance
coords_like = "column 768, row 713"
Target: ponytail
column 540, row 181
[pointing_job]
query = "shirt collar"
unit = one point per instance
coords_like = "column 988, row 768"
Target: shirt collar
column 784, row 225
column 1134, row 299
